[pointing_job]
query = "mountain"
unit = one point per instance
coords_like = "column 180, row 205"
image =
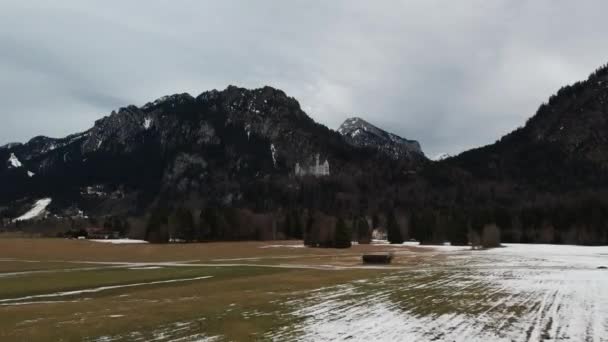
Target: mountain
column 361, row 133
column 250, row 164
column 231, row 148
column 563, row 147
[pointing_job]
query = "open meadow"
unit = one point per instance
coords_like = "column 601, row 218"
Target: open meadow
column 72, row 290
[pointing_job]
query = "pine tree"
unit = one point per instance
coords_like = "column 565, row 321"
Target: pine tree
column 308, row 236
column 297, row 225
column 375, row 221
column 288, row 226
column 210, row 223
column 342, row 237
column 363, row 231
column 393, row 230
column 458, row 229
column 422, row 225
column 156, row 228
column 183, row 224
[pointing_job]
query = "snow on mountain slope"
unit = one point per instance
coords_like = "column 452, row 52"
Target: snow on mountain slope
column 361, row 133
column 13, row 161
column 37, row 210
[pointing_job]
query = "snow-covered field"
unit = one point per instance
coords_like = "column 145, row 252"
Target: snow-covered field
column 516, row 293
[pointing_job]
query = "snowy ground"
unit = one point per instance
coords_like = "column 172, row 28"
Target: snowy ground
column 119, row 241
column 516, row 293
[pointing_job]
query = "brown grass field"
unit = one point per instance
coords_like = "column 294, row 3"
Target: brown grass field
column 73, row 290
column 78, row 290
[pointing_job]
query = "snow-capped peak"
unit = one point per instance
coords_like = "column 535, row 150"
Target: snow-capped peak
column 359, row 132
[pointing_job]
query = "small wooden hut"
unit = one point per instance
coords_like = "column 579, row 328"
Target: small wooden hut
column 377, row 258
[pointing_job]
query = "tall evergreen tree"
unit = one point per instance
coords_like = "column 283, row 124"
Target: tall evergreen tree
column 375, row 221
column 308, row 234
column 288, row 226
column 156, row 227
column 458, row 229
column 423, row 224
column 364, row 235
column 342, row 237
column 297, row 225
column 182, row 224
column 393, row 230
column 210, row 223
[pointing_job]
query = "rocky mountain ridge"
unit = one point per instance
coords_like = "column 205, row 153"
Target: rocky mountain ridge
column 209, row 148
column 563, row 144
column 237, row 154
column 361, row 133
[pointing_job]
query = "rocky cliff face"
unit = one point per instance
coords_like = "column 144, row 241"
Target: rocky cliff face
column 217, row 147
column 359, row 132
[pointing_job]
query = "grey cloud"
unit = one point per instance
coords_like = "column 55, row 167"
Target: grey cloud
column 451, row 74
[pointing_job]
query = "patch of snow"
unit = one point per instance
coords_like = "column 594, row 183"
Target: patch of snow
column 273, row 152
column 515, row 293
column 283, row 246
column 30, row 174
column 147, row 123
column 41, row 302
column 80, row 213
column 445, row 247
column 13, row 161
column 248, row 130
column 440, row 156
column 38, row 208
column 119, row 241
column 50, row 147
column 98, row 289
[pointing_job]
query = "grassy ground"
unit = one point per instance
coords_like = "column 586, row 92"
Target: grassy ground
column 62, row 290
column 236, row 302
column 78, row 250
column 7, row 266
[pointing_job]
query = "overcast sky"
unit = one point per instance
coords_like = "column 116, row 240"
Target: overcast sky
column 451, row 74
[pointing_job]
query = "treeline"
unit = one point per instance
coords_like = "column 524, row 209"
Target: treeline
column 323, row 230
column 315, row 228
column 221, row 224
column 582, row 222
